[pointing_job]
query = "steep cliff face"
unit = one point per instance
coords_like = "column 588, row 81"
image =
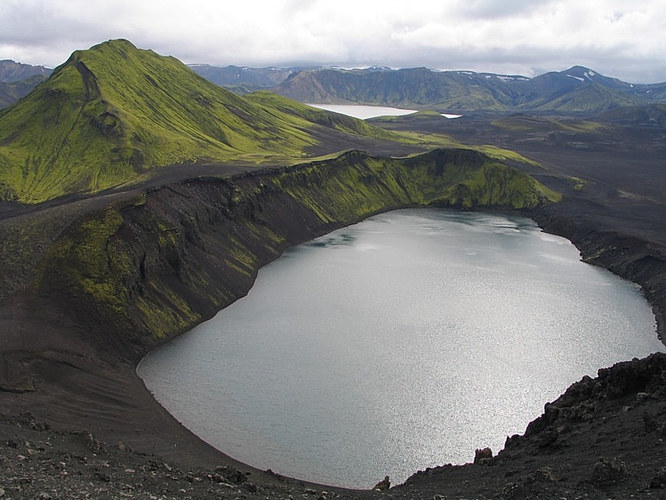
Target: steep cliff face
column 153, row 265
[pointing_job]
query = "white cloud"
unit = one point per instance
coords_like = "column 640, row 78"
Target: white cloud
column 614, row 37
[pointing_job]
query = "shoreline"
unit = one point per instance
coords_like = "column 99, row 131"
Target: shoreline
column 471, row 451
column 191, row 453
column 52, row 368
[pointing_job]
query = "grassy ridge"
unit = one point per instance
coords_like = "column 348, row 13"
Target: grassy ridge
column 158, row 264
column 112, row 113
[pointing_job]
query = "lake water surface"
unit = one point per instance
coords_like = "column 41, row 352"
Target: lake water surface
column 364, row 112
column 400, row 343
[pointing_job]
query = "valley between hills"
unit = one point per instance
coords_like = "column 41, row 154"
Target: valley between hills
column 138, row 199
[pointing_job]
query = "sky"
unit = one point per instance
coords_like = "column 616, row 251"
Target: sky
column 619, row 38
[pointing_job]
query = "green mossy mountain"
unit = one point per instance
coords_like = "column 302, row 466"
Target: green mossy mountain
column 652, row 116
column 111, row 114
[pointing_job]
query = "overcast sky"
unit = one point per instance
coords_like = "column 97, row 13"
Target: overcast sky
column 620, row 38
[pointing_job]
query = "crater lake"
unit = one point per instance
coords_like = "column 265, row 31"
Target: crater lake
column 403, row 342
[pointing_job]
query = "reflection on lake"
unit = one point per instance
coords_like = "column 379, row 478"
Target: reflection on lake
column 403, row 342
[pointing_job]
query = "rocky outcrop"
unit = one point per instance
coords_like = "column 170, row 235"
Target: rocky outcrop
column 482, row 455
column 637, row 380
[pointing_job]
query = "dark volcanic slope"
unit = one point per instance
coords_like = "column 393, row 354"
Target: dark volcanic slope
column 100, row 274
column 90, row 285
column 153, row 263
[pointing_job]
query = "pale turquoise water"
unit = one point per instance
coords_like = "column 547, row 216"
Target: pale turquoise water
column 400, row 343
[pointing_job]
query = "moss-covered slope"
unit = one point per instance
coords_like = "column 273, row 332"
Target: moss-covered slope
column 112, row 113
column 155, row 265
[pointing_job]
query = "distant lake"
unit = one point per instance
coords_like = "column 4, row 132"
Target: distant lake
column 363, row 112
column 403, row 342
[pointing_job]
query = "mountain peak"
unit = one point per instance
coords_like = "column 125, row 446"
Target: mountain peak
column 116, row 44
column 581, row 73
column 577, row 69
column 111, row 48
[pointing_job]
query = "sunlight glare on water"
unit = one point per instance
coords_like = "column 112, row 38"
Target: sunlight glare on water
column 403, row 342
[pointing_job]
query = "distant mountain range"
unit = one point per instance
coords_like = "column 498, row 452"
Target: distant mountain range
column 12, row 72
column 12, row 92
column 577, row 90
column 17, row 80
column 243, row 79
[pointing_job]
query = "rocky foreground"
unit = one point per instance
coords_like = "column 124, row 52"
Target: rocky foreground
column 603, row 438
